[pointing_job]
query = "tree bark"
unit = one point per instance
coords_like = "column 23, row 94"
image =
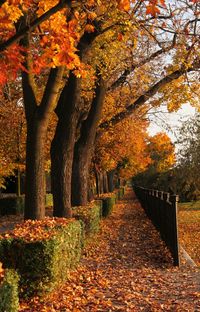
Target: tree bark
column 84, row 147
column 105, row 182
column 101, row 182
column 35, row 174
column 37, row 117
column 110, row 176
column 97, row 182
column 62, row 147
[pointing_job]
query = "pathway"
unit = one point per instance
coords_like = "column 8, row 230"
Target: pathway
column 127, row 269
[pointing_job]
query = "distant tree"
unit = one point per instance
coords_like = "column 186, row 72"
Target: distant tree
column 162, row 153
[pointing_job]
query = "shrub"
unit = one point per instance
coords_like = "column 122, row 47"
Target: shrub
column 11, row 205
column 121, row 192
column 9, row 300
column 90, row 215
column 108, row 201
column 42, row 252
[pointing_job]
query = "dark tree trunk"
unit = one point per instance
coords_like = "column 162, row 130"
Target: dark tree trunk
column 110, row 176
column 62, row 147
column 84, row 148
column 91, row 191
column 81, row 165
column 35, row 189
column 97, row 182
column 37, row 117
column 105, row 182
column 101, row 182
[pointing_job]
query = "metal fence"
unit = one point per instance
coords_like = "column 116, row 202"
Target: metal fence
column 161, row 208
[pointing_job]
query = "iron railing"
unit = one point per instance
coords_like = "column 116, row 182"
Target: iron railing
column 161, row 208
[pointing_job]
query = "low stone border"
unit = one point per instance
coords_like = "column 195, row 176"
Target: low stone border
column 187, row 257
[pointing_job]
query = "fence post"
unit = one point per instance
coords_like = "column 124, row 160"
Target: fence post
column 174, row 200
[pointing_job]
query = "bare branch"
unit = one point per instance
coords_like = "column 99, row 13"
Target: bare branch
column 146, row 96
column 128, row 71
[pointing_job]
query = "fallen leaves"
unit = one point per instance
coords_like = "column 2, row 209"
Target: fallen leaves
column 189, row 232
column 31, row 230
column 127, row 268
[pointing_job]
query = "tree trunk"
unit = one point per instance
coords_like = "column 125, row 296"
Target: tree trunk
column 97, row 182
column 91, row 190
column 35, row 189
column 110, row 176
column 37, row 117
column 84, row 148
column 101, row 182
column 105, row 182
column 62, row 147
column 81, row 165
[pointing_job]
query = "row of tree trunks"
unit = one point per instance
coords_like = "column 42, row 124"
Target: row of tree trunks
column 105, row 181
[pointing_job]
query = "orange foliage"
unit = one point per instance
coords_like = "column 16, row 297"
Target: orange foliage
column 162, row 151
column 55, row 40
column 125, row 143
column 12, row 137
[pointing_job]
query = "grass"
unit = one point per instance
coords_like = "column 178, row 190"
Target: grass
column 189, row 229
column 193, row 205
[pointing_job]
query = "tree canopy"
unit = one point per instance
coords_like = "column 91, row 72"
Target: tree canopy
column 94, row 65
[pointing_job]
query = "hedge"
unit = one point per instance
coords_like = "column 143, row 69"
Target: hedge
column 43, row 255
column 90, row 215
column 9, row 300
column 121, row 192
column 11, row 205
column 108, row 202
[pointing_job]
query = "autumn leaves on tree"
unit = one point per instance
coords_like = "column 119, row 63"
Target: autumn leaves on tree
column 90, row 71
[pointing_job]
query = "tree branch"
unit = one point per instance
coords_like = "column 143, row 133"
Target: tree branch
column 145, row 97
column 52, row 91
column 20, row 34
column 128, row 71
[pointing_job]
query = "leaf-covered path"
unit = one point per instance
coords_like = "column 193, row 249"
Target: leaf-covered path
column 127, row 268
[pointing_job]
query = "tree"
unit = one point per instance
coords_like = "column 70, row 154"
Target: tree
column 13, row 133
column 42, row 39
column 162, row 152
column 151, row 87
column 123, row 150
column 185, row 176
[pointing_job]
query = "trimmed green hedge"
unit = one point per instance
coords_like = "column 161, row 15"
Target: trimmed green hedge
column 9, row 300
column 121, row 192
column 90, row 215
column 99, row 203
column 15, row 204
column 11, row 205
column 107, row 204
column 43, row 263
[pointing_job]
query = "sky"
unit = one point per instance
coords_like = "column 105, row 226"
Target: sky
column 169, row 122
